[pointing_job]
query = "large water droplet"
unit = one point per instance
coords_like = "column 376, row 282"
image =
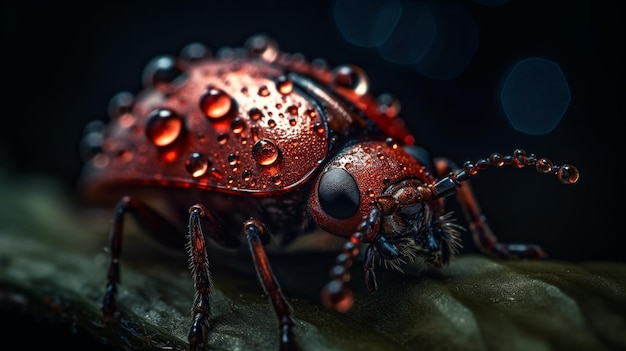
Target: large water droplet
column 350, row 77
column 215, row 103
column 197, row 165
column 265, row 152
column 163, row 126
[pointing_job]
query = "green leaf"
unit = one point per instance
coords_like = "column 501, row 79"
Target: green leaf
column 53, row 271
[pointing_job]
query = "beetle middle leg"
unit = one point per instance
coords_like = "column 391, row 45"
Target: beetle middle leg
column 257, row 236
column 483, row 237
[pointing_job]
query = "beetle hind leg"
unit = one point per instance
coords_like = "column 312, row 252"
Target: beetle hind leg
column 483, row 237
column 152, row 223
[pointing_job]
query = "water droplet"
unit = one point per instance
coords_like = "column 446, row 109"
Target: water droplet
column 237, row 125
column 197, row 165
column 125, row 155
column 262, row 46
column 568, row 174
column 120, row 104
column 544, row 165
column 311, row 113
column 271, row 123
column 265, row 152
column 292, row 110
column 244, row 91
column 215, row 103
column 277, row 179
column 279, row 106
column 100, row 160
column 392, row 143
column 193, row 52
column 246, row 175
column 163, row 126
column 222, row 138
column 160, row 70
column 264, row 91
column 388, row 105
column 319, row 128
column 350, row 77
column 255, row 114
column 284, row 85
column 232, row 159
column 496, row 159
column 126, row 120
column 292, row 122
column 215, row 173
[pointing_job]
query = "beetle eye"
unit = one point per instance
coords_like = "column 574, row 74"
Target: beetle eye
column 338, row 194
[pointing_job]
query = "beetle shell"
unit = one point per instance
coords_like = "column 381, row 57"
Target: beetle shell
column 228, row 126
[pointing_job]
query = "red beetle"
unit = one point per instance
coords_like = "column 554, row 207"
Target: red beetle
column 270, row 144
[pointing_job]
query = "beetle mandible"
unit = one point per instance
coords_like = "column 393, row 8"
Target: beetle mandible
column 265, row 143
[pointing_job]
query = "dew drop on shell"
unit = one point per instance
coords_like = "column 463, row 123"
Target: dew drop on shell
column 197, row 165
column 265, row 152
column 284, row 85
column 255, row 114
column 237, row 125
column 163, row 126
column 215, row 103
column 350, row 77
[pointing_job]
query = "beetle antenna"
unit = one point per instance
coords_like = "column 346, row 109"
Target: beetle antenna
column 336, row 295
column 566, row 174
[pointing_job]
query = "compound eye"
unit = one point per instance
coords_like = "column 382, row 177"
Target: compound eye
column 338, row 194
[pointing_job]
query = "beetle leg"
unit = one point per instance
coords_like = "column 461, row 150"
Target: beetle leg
column 336, row 294
column 483, row 237
column 152, row 223
column 257, row 236
column 199, row 263
column 368, row 267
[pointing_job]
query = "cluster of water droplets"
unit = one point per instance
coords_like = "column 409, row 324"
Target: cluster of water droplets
column 166, row 127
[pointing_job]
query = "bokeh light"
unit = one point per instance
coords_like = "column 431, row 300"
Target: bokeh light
column 438, row 39
column 535, row 95
column 366, row 23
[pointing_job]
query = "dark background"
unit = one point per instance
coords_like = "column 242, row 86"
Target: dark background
column 62, row 63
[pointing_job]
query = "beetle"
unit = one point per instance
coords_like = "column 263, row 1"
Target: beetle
column 268, row 144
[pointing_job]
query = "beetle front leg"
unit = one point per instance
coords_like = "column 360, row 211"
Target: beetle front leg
column 483, row 237
column 257, row 236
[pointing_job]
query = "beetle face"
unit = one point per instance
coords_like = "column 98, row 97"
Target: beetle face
column 383, row 176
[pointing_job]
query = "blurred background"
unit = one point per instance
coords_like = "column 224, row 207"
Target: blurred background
column 473, row 77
